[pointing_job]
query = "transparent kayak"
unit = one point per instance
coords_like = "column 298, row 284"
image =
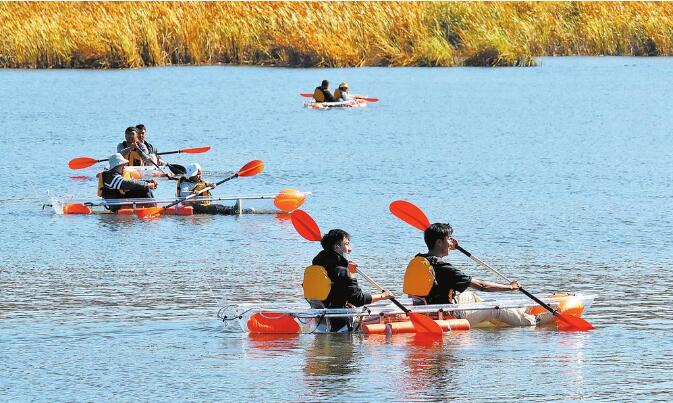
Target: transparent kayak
column 284, row 201
column 385, row 317
column 354, row 103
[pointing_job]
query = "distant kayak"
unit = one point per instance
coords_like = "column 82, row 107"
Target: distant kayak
column 354, row 103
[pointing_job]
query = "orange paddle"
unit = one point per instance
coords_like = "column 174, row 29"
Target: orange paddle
column 309, row 230
column 252, row 168
column 85, row 162
column 415, row 217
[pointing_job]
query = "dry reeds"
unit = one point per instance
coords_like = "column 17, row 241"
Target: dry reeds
column 104, row 35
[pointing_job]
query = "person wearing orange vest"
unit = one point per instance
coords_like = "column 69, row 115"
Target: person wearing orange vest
column 451, row 284
column 322, row 94
column 192, row 183
column 342, row 94
column 132, row 149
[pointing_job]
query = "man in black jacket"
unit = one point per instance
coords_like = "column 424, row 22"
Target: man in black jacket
column 345, row 289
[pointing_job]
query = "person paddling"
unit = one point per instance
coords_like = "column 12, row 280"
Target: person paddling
column 131, row 148
column 112, row 184
column 344, row 289
column 192, row 183
column 322, row 93
column 341, row 93
column 152, row 151
column 432, row 280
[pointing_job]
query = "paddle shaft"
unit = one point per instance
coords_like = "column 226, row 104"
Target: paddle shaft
column 191, row 196
column 381, row 290
column 503, row 278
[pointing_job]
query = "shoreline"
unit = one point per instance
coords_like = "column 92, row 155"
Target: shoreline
column 102, row 35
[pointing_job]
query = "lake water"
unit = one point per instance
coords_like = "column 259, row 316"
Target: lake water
column 560, row 176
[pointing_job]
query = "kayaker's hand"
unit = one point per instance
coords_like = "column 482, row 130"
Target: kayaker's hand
column 514, row 285
column 453, row 243
column 352, row 267
column 387, row 295
column 212, row 185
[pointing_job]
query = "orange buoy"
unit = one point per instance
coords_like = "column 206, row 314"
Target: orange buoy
column 289, row 199
column 408, row 327
column 272, row 323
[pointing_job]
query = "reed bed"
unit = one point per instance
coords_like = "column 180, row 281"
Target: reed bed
column 325, row 34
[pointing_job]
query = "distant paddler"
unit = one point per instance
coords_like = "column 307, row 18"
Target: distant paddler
column 191, row 183
column 330, row 275
column 152, row 151
column 342, row 94
column 132, row 149
column 113, row 184
column 322, row 93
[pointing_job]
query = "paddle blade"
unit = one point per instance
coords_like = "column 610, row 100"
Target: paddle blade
column 289, row 199
column 306, row 95
column 177, row 169
column 197, row 150
column 424, row 324
column 81, row 162
column 367, row 98
column 149, row 212
column 571, row 323
column 76, row 208
column 305, row 225
column 252, row 168
column 410, row 214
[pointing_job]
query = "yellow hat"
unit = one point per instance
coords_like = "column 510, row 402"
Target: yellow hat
column 343, row 85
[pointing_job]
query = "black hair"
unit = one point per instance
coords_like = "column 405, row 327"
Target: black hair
column 324, row 84
column 436, row 232
column 130, row 130
column 333, row 237
column 140, row 127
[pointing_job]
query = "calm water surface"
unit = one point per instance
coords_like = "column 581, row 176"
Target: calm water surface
column 560, row 176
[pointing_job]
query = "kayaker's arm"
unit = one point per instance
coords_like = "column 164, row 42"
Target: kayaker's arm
column 489, row 286
column 129, row 184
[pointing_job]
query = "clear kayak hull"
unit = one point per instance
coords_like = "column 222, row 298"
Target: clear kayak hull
column 300, row 318
column 354, row 103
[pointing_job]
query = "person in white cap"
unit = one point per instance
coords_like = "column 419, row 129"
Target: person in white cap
column 193, row 183
column 112, row 184
column 341, row 93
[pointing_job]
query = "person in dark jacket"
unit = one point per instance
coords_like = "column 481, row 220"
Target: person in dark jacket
column 113, row 184
column 322, row 93
column 345, row 290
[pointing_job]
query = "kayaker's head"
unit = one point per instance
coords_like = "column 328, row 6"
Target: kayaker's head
column 337, row 240
column 439, row 239
column 117, row 162
column 193, row 172
column 142, row 131
column 324, row 85
column 131, row 135
column 343, row 86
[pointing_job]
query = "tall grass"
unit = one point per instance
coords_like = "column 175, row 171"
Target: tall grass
column 106, row 34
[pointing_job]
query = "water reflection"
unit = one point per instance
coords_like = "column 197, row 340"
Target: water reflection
column 330, row 355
